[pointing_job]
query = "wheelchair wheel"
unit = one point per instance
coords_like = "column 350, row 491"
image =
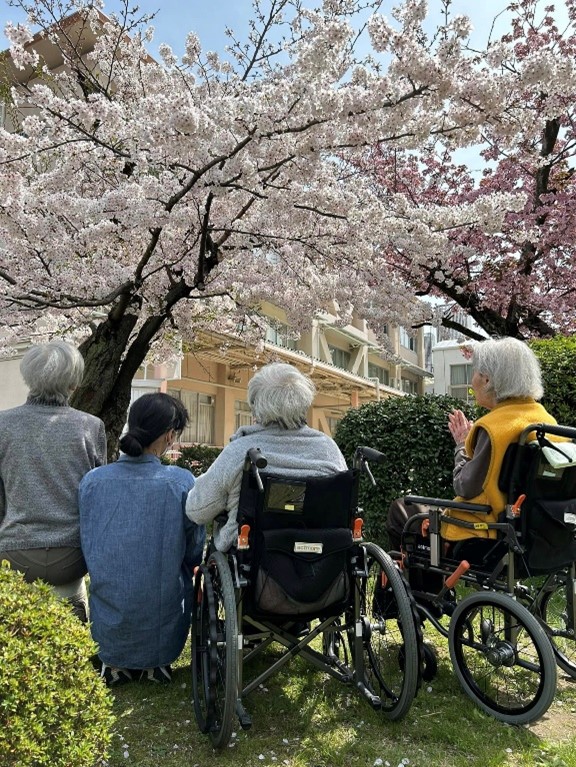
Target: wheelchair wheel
column 214, row 650
column 203, row 649
column 556, row 612
column 502, row 657
column 391, row 655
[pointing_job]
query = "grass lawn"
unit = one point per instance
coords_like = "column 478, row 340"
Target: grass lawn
column 305, row 719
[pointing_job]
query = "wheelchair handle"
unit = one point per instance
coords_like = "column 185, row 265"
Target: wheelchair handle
column 369, row 454
column 547, row 428
column 256, row 458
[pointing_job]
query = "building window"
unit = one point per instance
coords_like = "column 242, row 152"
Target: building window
column 137, row 391
column 409, row 342
column 340, row 357
column 333, row 422
column 410, row 387
column 242, row 414
column 200, row 408
column 279, row 335
column 375, row 371
column 460, row 380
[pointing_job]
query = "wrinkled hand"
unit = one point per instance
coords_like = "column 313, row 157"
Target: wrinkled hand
column 459, row 426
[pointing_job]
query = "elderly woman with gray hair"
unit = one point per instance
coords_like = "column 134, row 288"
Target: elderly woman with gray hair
column 46, row 447
column 506, row 380
column 279, row 397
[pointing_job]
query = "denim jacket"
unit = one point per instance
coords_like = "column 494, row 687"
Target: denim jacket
column 140, row 550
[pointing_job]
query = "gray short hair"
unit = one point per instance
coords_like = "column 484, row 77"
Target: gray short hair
column 511, row 366
column 280, row 394
column 51, row 371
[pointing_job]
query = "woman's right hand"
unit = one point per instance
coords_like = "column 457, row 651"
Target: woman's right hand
column 459, row 426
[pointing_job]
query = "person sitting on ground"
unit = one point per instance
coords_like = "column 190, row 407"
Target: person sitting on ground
column 507, row 381
column 279, row 397
column 46, row 447
column 140, row 547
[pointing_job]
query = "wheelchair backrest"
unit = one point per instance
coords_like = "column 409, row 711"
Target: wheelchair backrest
column 548, row 514
column 300, row 542
column 312, row 502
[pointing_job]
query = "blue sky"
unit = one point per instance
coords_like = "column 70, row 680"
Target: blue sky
column 176, row 18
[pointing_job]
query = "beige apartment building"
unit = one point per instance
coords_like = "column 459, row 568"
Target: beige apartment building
column 345, row 363
column 211, row 379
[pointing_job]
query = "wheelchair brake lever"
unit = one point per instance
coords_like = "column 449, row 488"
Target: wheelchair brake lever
column 257, row 477
column 366, row 468
column 256, row 460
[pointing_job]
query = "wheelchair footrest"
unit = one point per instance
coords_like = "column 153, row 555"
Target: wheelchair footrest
column 374, row 700
column 243, row 716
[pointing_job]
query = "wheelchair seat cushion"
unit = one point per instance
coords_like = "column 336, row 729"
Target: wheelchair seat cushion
column 302, row 571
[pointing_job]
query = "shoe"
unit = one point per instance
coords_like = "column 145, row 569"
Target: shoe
column 114, row 677
column 159, row 674
column 297, row 628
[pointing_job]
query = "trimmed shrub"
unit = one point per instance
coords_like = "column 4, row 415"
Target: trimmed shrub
column 557, row 358
column 54, row 709
column 412, row 432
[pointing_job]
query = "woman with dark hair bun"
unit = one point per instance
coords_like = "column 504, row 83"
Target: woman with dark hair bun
column 140, row 547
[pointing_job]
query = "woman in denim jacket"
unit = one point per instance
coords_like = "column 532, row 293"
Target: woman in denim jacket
column 140, row 547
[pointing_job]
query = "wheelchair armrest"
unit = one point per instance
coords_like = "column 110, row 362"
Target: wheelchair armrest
column 449, row 503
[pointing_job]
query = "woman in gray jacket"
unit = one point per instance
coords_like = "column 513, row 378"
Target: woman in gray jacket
column 46, row 447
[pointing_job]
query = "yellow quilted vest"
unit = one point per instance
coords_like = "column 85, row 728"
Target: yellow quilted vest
column 504, row 424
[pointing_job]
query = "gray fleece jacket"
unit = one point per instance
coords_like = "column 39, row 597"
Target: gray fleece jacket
column 292, row 453
column 45, row 450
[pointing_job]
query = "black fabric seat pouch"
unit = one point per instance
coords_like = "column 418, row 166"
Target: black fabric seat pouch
column 551, row 535
column 301, row 572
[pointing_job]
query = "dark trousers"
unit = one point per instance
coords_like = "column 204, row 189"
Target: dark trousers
column 62, row 567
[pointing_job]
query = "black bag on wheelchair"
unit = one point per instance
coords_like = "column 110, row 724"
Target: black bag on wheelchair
column 302, row 571
column 551, row 534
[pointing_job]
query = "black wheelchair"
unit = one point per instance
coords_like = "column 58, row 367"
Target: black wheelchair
column 519, row 616
column 300, row 576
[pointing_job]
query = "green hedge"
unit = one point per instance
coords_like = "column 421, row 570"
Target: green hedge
column 557, row 358
column 412, row 432
column 54, row 709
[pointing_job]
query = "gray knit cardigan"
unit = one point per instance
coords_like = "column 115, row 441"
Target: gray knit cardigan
column 45, row 450
column 290, row 452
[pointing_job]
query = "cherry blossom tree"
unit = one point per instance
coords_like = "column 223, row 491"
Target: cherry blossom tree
column 517, row 279
column 143, row 202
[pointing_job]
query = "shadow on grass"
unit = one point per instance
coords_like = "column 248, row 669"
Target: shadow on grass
column 302, row 718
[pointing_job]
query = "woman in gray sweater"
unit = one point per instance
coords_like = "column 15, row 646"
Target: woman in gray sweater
column 279, row 397
column 46, row 447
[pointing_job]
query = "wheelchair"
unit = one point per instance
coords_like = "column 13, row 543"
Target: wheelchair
column 301, row 577
column 506, row 636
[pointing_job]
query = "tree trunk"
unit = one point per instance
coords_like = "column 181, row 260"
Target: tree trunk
column 103, row 391
column 113, row 355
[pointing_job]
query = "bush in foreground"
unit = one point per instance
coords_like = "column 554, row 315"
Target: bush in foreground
column 54, row 710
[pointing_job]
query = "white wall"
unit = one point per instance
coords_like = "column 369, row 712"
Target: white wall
column 445, row 354
column 13, row 390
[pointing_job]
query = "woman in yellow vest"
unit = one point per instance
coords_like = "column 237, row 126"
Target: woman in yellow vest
column 507, row 382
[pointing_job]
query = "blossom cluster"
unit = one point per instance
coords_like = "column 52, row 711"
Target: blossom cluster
column 193, row 190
